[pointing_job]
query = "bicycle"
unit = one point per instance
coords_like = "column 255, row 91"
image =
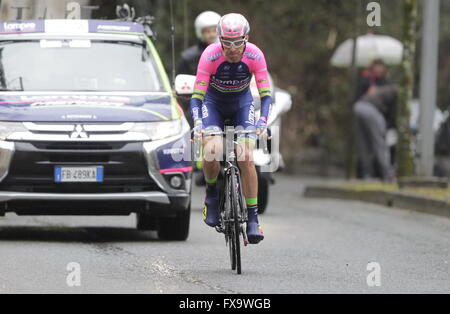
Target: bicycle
column 232, row 207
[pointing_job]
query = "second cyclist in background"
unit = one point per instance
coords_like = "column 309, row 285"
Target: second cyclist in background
column 206, row 32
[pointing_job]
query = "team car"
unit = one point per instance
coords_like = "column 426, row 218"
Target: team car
column 89, row 125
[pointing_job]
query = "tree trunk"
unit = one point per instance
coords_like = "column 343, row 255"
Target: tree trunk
column 36, row 9
column 352, row 158
column 405, row 165
column 8, row 11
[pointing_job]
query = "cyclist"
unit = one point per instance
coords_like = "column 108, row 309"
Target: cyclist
column 222, row 92
column 206, row 31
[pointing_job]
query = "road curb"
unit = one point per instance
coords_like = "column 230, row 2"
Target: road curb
column 390, row 199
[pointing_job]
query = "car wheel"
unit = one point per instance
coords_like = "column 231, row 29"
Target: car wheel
column 175, row 228
column 146, row 221
column 2, row 209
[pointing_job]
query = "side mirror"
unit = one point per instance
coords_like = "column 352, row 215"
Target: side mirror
column 282, row 103
column 184, row 84
column 283, row 99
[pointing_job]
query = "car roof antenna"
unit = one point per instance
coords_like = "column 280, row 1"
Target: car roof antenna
column 172, row 27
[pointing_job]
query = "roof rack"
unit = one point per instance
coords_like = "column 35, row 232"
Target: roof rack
column 128, row 14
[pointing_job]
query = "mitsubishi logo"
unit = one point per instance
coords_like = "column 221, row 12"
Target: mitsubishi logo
column 78, row 132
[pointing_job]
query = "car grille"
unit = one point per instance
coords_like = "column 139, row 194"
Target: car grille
column 33, row 164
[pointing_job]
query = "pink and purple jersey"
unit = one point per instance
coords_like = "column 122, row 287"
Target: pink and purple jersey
column 229, row 81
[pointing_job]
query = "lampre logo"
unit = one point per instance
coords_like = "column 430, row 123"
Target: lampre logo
column 21, row 27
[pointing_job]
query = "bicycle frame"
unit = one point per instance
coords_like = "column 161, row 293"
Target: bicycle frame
column 230, row 164
column 233, row 209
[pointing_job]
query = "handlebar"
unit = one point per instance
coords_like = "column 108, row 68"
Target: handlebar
column 237, row 132
column 262, row 143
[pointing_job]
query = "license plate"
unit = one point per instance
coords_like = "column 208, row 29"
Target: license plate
column 78, row 174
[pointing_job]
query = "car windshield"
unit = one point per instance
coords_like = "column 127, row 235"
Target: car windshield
column 77, row 65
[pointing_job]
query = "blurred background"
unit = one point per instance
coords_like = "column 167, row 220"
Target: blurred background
column 298, row 39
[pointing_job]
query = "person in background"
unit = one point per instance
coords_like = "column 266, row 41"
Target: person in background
column 377, row 75
column 371, row 128
column 206, row 31
column 374, row 75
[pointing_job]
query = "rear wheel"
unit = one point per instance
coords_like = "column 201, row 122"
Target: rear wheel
column 175, row 228
column 263, row 192
column 237, row 249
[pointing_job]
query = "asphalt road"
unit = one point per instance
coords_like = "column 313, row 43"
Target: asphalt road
column 311, row 246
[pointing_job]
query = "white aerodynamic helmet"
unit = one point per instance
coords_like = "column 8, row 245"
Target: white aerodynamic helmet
column 233, row 25
column 205, row 19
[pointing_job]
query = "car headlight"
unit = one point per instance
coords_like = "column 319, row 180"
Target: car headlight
column 159, row 130
column 8, row 128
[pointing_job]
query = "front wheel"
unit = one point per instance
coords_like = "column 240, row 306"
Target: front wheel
column 232, row 248
column 236, row 212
